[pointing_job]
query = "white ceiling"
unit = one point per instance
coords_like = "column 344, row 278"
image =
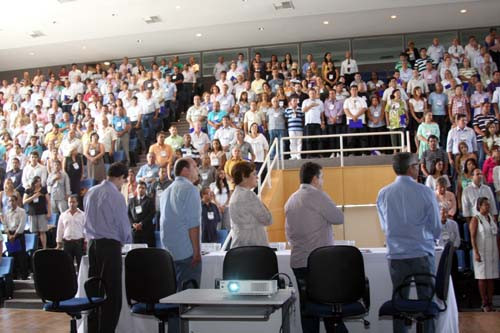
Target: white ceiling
column 90, row 30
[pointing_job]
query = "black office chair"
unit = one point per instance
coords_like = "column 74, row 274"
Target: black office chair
column 55, row 283
column 336, row 286
column 251, row 263
column 149, row 277
column 420, row 310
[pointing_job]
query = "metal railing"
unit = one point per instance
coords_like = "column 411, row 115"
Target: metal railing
column 404, row 137
column 268, row 166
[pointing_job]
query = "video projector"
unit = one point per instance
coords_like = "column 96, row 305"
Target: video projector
column 249, row 287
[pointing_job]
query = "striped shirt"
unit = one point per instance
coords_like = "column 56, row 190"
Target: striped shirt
column 295, row 119
column 481, row 121
column 421, row 63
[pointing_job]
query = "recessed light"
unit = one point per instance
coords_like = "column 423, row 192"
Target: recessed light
column 139, row 41
column 326, row 22
column 54, row 22
column 113, row 14
column 106, row 63
column 261, row 28
column 199, row 34
column 394, row 17
column 32, row 53
column 463, row 11
column 84, row 47
column 178, row 7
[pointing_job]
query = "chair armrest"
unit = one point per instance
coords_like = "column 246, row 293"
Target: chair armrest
column 366, row 295
column 407, row 282
column 93, row 284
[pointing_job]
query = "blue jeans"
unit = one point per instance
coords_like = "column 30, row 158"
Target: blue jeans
column 148, row 128
column 482, row 155
column 276, row 133
column 185, row 272
column 401, row 268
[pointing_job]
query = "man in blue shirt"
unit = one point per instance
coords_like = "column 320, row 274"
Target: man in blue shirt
column 409, row 217
column 107, row 228
column 438, row 102
column 148, row 173
column 180, row 220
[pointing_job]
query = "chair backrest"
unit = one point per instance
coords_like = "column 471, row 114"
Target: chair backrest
column 53, row 219
column 336, row 274
column 149, row 275
column 222, row 235
column 250, row 263
column 444, row 271
column 87, row 183
column 6, row 266
column 54, row 275
column 30, row 240
column 466, row 232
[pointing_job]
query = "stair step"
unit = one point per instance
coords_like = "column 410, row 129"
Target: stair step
column 33, row 303
column 24, row 294
column 24, row 284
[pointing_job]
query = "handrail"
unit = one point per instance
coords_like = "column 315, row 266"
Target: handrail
column 342, row 150
column 268, row 165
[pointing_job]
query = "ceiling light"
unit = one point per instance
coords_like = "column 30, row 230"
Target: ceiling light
column 463, row 11
column 199, row 34
column 139, row 41
column 32, row 53
column 394, row 17
column 106, row 63
column 151, row 19
column 84, row 47
column 64, row 1
column 326, row 22
column 54, row 22
column 178, row 7
column 36, row 34
column 261, row 28
column 113, row 14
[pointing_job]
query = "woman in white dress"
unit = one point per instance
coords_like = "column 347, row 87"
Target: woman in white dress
column 485, row 244
column 249, row 216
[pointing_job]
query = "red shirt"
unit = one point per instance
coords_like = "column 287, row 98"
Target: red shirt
column 488, row 167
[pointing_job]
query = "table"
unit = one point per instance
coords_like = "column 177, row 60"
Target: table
column 212, row 310
column 376, row 269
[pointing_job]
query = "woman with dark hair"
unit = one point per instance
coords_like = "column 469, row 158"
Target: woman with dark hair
column 465, row 178
column 249, row 216
column 39, row 211
column 73, row 165
column 485, row 244
column 288, row 60
column 436, row 171
column 94, row 152
column 220, row 189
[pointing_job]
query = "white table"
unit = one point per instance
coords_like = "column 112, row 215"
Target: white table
column 376, row 269
column 214, row 311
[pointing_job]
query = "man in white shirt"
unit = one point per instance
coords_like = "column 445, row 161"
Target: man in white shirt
column 393, row 84
column 456, row 51
column 14, row 221
column 225, row 99
column 70, row 234
column 348, row 68
column 436, row 51
column 355, row 108
column 474, row 191
column 196, row 112
column 32, row 169
column 199, row 139
column 471, row 49
column 224, row 81
column 226, row 134
column 313, row 109
column 125, row 66
column 219, row 67
column 150, row 110
column 74, row 73
column 69, row 143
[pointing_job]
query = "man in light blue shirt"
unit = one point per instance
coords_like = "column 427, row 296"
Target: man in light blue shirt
column 107, row 228
column 180, row 211
column 409, row 217
column 438, row 102
column 148, row 173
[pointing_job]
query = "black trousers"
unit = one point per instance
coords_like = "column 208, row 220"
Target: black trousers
column 357, row 141
column 105, row 261
column 312, row 144
column 75, row 249
column 443, row 130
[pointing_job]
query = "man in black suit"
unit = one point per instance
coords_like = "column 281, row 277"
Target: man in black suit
column 141, row 210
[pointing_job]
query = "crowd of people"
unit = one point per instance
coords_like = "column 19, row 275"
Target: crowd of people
column 58, row 129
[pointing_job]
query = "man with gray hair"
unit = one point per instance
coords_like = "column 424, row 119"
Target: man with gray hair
column 409, row 217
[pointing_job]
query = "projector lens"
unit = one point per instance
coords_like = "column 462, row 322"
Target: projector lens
column 233, row 287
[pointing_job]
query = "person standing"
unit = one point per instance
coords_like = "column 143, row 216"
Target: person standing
column 485, row 244
column 107, row 228
column 141, row 211
column 70, row 236
column 310, row 214
column 180, row 221
column 14, row 220
column 59, row 188
column 409, row 217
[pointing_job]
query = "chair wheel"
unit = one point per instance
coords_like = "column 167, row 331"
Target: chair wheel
column 366, row 323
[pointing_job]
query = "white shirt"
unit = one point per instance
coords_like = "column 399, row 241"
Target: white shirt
column 221, row 84
column 15, row 220
column 73, row 74
column 387, row 94
column 67, row 146
column 435, row 52
column 356, row 106
column 469, row 199
column 70, row 227
column 449, row 233
column 313, row 116
column 133, row 112
column 30, row 172
column 456, row 51
column 106, row 137
column 149, row 105
column 348, row 66
column 259, row 146
column 226, row 135
column 199, row 141
column 226, row 102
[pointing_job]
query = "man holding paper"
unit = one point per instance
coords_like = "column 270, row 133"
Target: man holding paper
column 355, row 108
